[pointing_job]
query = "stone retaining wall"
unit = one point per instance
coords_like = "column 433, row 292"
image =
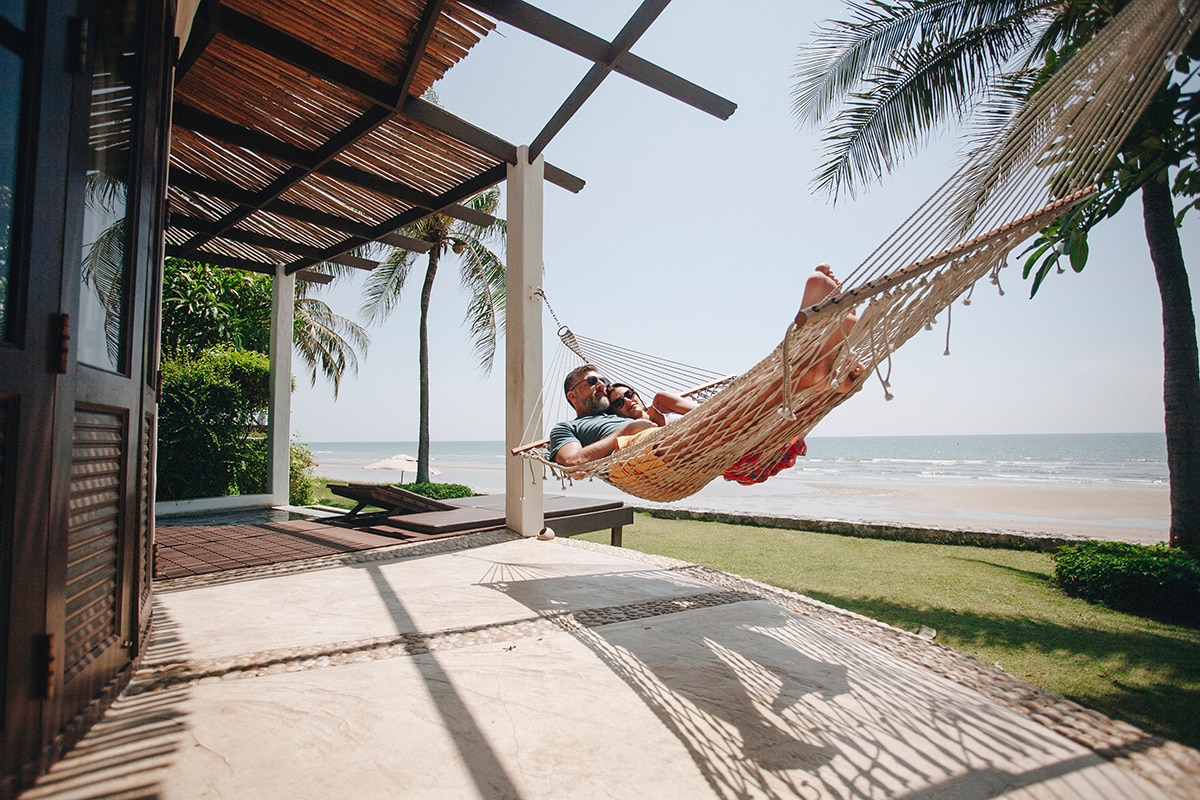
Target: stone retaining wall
column 1012, row 540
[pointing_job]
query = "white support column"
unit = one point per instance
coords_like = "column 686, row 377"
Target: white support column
column 523, row 341
column 279, row 418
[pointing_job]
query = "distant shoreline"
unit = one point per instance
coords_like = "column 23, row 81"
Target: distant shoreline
column 1136, row 514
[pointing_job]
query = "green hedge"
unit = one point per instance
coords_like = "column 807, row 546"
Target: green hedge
column 211, row 439
column 1152, row 581
column 438, row 491
column 302, row 475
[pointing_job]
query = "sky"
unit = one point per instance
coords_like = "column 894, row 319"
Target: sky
column 693, row 237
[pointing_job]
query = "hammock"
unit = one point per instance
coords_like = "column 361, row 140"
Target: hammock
column 1038, row 169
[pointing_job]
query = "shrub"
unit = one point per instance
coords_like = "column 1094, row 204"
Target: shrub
column 1153, row 581
column 210, row 433
column 302, row 476
column 439, row 491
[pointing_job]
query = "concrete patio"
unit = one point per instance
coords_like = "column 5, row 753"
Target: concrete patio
column 498, row 667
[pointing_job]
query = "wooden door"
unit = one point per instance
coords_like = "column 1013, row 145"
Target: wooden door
column 78, row 360
column 34, row 144
column 101, row 540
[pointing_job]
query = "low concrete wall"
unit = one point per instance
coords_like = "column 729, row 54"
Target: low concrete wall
column 1012, row 540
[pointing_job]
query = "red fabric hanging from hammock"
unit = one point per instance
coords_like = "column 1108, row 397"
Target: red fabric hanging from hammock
column 753, row 468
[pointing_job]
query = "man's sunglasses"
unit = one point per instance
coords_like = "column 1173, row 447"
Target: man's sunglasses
column 619, row 403
column 592, row 380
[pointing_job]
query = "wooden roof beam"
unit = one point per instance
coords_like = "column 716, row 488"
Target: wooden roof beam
column 183, row 222
column 188, row 223
column 638, row 24
column 558, row 32
column 425, row 29
column 214, row 127
column 290, row 50
column 222, row 260
column 360, row 234
column 204, row 28
column 230, row 22
column 464, row 190
column 248, row 202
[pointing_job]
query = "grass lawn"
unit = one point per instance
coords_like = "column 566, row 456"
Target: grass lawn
column 995, row 605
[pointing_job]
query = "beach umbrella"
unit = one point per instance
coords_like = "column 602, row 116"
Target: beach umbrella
column 402, row 462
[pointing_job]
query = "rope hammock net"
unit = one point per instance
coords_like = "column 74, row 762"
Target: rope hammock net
column 1036, row 170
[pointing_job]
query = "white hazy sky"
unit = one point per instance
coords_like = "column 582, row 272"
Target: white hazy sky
column 694, row 235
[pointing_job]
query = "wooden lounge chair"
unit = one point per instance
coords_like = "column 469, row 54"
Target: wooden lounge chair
column 392, row 500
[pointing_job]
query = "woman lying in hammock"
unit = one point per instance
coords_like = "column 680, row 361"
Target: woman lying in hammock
column 753, row 468
column 597, row 432
column 625, row 401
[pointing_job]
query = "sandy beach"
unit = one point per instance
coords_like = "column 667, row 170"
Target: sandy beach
column 1102, row 511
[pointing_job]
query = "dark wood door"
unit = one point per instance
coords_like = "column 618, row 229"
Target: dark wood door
column 81, row 247
column 34, row 148
column 100, row 549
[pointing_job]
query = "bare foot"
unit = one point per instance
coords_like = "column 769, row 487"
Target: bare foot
column 820, row 285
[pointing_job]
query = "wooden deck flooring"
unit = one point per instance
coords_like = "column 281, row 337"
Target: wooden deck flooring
column 182, row 550
column 201, row 547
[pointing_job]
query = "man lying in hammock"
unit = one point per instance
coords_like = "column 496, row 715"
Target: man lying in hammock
column 595, row 432
column 598, row 432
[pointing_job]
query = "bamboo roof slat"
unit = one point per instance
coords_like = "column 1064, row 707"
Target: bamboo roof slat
column 301, row 125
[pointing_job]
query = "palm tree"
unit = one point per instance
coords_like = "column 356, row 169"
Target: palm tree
column 481, row 272
column 900, row 68
column 326, row 343
column 206, row 305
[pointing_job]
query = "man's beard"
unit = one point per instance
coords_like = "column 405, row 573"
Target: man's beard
column 595, row 404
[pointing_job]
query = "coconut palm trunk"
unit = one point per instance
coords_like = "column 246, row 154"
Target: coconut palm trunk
column 423, row 369
column 1181, row 366
column 481, row 271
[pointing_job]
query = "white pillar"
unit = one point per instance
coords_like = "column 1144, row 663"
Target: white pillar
column 279, row 419
column 523, row 341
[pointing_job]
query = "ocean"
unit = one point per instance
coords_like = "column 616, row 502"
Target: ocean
column 1097, row 460
column 1111, row 486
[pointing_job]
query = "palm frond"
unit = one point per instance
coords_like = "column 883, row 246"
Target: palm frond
column 327, row 342
column 103, row 270
column 105, row 192
column 482, row 274
column 845, row 51
column 927, row 84
column 385, row 285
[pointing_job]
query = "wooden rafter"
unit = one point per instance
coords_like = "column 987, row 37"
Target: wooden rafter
column 301, row 135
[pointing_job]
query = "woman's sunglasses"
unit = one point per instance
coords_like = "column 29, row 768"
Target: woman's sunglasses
column 620, row 401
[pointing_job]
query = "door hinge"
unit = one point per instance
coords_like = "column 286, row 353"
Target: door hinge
column 64, row 339
column 48, row 667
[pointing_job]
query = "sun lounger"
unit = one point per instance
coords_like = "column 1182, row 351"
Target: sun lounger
column 567, row 516
column 391, row 499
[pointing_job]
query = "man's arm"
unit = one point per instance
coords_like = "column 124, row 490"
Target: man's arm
column 572, row 454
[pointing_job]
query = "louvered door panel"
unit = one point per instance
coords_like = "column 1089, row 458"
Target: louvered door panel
column 92, row 549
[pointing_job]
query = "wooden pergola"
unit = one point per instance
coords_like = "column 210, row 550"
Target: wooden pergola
column 299, row 134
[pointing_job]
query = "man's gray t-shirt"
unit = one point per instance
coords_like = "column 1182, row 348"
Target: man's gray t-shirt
column 585, row 430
